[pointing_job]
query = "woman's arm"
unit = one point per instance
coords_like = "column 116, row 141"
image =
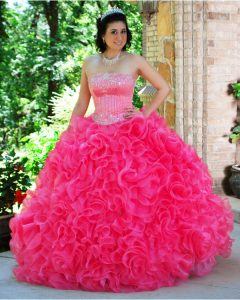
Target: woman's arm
column 147, row 72
column 82, row 103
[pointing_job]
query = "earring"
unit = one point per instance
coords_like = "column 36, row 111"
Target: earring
column 103, row 41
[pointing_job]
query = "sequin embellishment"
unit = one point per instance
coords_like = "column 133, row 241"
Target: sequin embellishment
column 112, row 95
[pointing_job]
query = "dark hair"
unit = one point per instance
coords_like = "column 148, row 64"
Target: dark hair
column 102, row 27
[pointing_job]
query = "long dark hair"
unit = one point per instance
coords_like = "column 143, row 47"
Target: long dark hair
column 102, row 27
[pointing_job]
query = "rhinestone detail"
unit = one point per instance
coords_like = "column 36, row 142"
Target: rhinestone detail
column 112, row 94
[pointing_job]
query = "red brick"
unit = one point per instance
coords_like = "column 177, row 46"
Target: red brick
column 211, row 43
column 218, row 16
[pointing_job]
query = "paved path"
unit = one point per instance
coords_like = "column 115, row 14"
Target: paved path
column 222, row 283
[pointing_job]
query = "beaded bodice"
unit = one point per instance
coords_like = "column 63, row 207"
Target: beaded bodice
column 112, row 95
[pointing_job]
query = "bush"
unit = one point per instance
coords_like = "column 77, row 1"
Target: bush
column 13, row 181
column 37, row 145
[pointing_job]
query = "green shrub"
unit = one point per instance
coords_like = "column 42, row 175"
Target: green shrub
column 13, row 181
column 38, row 144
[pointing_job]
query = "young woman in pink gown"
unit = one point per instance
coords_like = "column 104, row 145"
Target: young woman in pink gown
column 122, row 204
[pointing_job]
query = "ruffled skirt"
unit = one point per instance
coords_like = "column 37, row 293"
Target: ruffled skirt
column 122, row 207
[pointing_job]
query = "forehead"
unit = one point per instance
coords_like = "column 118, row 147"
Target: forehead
column 116, row 25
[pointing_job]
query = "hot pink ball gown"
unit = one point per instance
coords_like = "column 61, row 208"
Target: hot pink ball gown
column 121, row 205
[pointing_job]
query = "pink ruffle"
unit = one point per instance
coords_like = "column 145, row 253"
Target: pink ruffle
column 122, row 207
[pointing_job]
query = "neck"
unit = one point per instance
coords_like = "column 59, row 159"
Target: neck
column 111, row 53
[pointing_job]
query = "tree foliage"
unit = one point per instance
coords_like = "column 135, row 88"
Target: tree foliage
column 42, row 47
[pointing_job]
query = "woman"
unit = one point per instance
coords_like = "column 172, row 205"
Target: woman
column 122, row 203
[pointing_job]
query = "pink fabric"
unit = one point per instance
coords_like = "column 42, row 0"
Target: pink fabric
column 112, row 95
column 120, row 207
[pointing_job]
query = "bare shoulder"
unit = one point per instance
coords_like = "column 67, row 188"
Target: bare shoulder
column 91, row 64
column 138, row 62
column 90, row 60
column 136, row 57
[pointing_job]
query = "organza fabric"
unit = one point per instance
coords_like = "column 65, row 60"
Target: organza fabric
column 120, row 205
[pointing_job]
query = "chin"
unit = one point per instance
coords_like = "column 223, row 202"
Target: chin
column 118, row 47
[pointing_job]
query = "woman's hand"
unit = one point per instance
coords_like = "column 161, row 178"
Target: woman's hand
column 131, row 112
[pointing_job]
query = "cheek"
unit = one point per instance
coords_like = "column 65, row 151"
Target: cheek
column 109, row 36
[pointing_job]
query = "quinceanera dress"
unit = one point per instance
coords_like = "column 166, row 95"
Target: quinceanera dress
column 120, row 205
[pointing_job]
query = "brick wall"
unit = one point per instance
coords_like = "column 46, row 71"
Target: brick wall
column 207, row 60
column 223, row 67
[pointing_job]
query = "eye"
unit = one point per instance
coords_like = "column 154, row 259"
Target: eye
column 114, row 31
column 124, row 31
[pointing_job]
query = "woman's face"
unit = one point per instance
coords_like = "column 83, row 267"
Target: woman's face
column 116, row 35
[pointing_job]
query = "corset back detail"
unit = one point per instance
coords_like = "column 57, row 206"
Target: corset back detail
column 112, row 95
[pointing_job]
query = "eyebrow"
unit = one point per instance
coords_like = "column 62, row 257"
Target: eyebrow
column 117, row 29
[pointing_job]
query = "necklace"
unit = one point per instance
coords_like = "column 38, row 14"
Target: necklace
column 110, row 61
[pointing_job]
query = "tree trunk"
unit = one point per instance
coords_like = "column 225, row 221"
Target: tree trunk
column 3, row 34
column 51, row 13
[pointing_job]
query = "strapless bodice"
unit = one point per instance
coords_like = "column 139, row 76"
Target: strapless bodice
column 112, row 95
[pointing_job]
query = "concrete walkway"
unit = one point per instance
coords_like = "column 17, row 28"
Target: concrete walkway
column 222, row 283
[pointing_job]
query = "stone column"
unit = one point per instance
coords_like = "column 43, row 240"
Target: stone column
column 159, row 50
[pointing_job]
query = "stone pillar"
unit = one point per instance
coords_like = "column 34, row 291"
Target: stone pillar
column 158, row 49
column 190, row 44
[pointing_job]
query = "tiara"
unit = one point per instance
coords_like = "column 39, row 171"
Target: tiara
column 114, row 10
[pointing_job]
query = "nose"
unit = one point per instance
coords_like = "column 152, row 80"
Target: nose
column 118, row 36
